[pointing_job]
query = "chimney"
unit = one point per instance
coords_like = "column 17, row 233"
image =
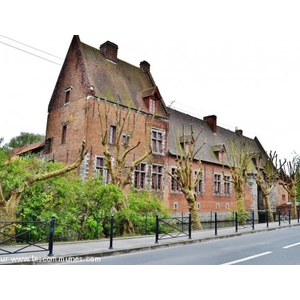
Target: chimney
column 212, row 122
column 145, row 66
column 238, row 131
column 110, row 51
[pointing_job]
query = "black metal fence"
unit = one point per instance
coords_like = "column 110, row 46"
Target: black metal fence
column 26, row 237
column 164, row 228
column 173, row 227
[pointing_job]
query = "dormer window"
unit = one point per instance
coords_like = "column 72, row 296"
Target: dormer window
column 151, row 98
column 219, row 151
column 152, row 105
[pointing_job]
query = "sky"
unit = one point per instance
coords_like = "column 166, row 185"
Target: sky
column 238, row 60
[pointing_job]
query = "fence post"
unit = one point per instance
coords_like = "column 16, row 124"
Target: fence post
column 190, row 225
column 236, row 221
column 97, row 228
column 111, row 232
column 51, row 236
column 279, row 217
column 156, row 229
column 267, row 218
column 252, row 219
column 216, row 222
column 146, row 224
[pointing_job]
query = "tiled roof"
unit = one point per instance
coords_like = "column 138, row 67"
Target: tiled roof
column 213, row 141
column 118, row 81
column 27, row 148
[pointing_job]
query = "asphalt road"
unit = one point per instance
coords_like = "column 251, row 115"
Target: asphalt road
column 276, row 247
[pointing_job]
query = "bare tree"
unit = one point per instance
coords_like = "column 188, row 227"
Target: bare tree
column 119, row 162
column 290, row 179
column 239, row 158
column 188, row 148
column 267, row 179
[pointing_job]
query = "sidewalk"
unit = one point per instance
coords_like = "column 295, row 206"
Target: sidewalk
column 87, row 250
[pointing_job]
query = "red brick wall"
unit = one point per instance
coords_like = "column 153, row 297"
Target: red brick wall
column 208, row 201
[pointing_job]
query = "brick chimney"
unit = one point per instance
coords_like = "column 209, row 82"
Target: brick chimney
column 110, row 51
column 212, row 122
column 238, row 131
column 145, row 66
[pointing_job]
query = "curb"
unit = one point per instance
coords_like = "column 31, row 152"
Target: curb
column 114, row 252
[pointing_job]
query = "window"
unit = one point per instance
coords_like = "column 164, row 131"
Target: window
column 67, row 94
column 217, row 184
column 140, row 176
column 199, row 187
column 157, row 178
column 67, row 98
column 152, row 106
column 112, row 134
column 157, row 141
column 64, row 134
column 174, row 185
column 101, row 169
column 227, row 185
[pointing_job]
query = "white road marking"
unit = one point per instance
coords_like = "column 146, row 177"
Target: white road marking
column 246, row 258
column 293, row 245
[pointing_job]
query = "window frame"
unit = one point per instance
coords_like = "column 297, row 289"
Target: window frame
column 227, row 185
column 157, row 177
column 140, row 176
column 217, row 184
column 102, row 169
column 174, row 186
column 157, row 141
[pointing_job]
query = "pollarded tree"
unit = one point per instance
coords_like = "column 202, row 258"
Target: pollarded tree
column 239, row 159
column 290, row 179
column 267, row 179
column 187, row 150
column 121, row 158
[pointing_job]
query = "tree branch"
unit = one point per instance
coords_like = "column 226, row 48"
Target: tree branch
column 61, row 171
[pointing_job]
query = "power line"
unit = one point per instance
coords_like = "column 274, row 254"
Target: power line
column 30, row 53
column 30, row 47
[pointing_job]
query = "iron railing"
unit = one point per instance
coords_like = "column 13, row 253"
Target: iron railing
column 26, row 237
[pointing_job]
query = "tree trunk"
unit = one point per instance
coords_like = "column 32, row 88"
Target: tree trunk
column 196, row 224
column 128, row 225
column 191, row 200
column 294, row 206
column 268, row 207
column 8, row 211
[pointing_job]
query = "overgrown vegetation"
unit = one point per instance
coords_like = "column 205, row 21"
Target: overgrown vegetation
column 83, row 209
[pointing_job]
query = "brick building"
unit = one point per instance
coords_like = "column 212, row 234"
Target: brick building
column 93, row 79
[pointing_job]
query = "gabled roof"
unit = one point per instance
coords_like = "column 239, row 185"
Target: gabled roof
column 213, row 141
column 116, row 81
